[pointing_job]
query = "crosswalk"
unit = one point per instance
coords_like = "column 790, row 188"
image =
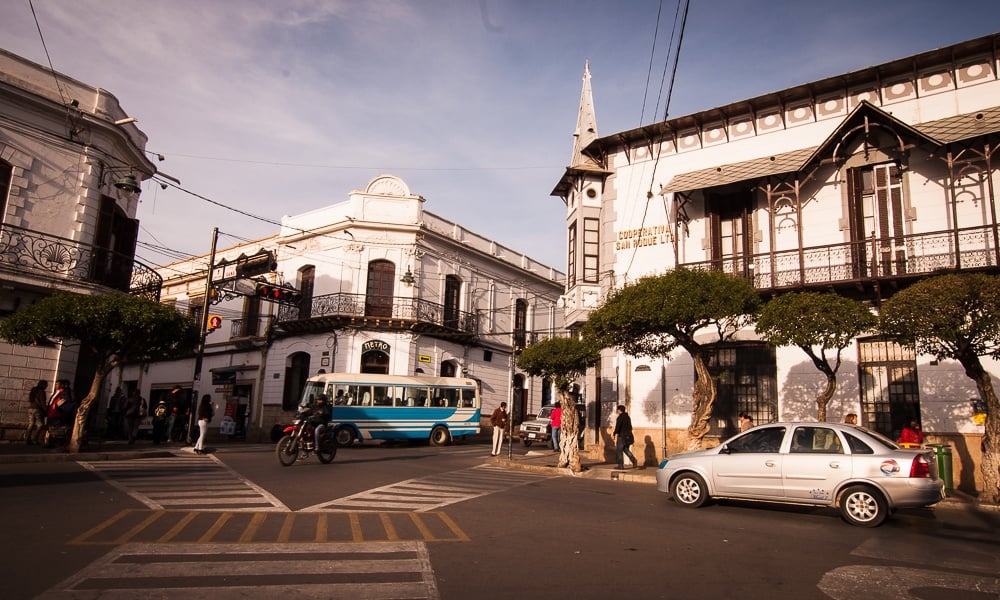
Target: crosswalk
column 433, row 492
column 190, row 481
column 224, row 572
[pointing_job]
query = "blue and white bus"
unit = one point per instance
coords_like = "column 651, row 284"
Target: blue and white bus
column 391, row 407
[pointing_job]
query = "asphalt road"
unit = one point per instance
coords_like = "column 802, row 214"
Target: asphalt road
column 419, row 521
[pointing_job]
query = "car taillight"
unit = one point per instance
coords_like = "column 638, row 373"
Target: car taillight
column 920, row 467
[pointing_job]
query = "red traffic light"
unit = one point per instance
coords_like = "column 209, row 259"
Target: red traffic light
column 277, row 293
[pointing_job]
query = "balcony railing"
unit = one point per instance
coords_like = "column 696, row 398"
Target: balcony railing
column 906, row 256
column 381, row 308
column 252, row 327
column 39, row 253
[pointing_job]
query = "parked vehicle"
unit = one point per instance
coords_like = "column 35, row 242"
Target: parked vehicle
column 299, row 441
column 539, row 429
column 862, row 473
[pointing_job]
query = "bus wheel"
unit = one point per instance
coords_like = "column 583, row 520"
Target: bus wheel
column 344, row 436
column 439, row 436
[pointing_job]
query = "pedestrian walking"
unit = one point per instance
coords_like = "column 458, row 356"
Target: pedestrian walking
column 135, row 411
column 500, row 423
column 161, row 414
column 205, row 414
column 555, row 421
column 624, row 438
column 37, row 406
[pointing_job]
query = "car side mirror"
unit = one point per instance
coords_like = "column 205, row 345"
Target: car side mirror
column 724, row 449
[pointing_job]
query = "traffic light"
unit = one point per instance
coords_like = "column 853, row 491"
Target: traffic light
column 277, row 293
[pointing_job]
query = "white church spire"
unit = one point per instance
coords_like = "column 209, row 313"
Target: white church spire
column 586, row 122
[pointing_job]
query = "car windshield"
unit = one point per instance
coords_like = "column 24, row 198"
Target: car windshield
column 545, row 413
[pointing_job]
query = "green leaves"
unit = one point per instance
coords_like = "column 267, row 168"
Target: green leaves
column 562, row 359
column 808, row 319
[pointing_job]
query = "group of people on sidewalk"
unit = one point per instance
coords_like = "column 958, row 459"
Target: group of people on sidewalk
column 50, row 418
column 622, row 434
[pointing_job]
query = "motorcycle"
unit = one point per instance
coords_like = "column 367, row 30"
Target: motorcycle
column 299, row 440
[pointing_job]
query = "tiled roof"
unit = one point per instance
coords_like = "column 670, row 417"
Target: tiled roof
column 961, row 127
column 748, row 169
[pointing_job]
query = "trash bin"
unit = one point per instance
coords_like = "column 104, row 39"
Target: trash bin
column 943, row 454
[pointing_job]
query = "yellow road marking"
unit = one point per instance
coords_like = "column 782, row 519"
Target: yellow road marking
column 252, row 528
column 214, row 529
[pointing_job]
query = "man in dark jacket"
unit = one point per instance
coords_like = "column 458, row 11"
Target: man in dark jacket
column 623, row 438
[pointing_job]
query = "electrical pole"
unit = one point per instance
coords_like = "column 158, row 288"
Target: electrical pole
column 202, row 334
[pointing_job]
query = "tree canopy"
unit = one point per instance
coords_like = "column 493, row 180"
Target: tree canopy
column 956, row 316
column 113, row 328
column 659, row 313
column 822, row 324
column 563, row 360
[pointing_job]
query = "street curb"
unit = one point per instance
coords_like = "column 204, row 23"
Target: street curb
column 62, row 456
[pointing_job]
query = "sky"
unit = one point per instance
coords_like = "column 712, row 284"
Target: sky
column 282, row 107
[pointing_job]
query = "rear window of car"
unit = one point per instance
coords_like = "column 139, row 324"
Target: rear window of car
column 857, row 446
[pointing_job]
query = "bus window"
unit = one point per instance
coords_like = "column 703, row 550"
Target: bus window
column 468, row 398
column 449, row 397
column 383, row 395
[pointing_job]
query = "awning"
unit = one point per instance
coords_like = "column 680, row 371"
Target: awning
column 756, row 168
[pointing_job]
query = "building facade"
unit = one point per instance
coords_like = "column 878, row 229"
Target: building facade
column 71, row 165
column 860, row 183
column 386, row 287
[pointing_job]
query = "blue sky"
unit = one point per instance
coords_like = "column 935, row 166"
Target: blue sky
column 283, row 107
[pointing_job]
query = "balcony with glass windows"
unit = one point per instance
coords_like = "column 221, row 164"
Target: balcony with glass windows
column 386, row 313
column 872, row 262
column 51, row 257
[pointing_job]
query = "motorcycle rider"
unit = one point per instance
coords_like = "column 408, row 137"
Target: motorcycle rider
column 319, row 417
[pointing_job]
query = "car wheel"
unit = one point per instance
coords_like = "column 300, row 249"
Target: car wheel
column 689, row 490
column 527, row 443
column 863, row 506
column 344, row 436
column 440, row 436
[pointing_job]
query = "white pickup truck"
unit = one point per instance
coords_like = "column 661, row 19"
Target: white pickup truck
column 539, row 429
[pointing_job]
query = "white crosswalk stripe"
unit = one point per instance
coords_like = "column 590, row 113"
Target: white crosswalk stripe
column 224, row 572
column 185, row 481
column 433, row 492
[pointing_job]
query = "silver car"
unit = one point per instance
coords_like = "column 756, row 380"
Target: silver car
column 862, row 473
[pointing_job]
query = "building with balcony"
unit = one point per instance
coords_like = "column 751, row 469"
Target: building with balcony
column 386, row 287
column 71, row 164
column 860, row 183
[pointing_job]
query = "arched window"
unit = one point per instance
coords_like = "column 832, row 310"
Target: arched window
column 296, row 373
column 452, row 297
column 381, row 285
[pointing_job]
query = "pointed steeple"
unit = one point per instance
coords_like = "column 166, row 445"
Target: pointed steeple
column 586, row 123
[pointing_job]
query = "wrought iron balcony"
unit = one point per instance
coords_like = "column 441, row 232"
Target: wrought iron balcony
column 911, row 256
column 379, row 312
column 250, row 328
column 52, row 256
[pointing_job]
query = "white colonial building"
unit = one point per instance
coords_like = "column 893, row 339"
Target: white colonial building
column 71, row 164
column 387, row 288
column 860, row 183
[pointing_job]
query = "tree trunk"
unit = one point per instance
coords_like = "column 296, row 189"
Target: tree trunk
column 823, row 400
column 80, row 422
column 703, row 398
column 990, row 467
column 569, row 448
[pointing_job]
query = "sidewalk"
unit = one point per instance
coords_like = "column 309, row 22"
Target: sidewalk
column 18, row 452
column 546, row 460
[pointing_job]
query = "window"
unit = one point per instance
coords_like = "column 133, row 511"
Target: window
column 857, row 446
column 381, row 286
column 448, row 369
column 730, row 222
column 249, row 324
column 745, row 381
column 876, row 196
column 452, row 296
column 520, row 322
column 114, row 246
column 307, row 277
column 816, row 440
column 890, row 396
column 766, row 440
column 571, row 256
column 6, row 176
column 375, row 361
column 591, row 249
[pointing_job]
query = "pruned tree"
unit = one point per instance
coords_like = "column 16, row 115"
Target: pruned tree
column 822, row 324
column 956, row 317
column 659, row 313
column 563, row 360
column 113, row 328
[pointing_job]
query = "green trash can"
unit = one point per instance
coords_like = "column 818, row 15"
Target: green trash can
column 943, row 454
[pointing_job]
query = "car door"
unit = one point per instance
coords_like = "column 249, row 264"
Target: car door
column 815, row 464
column 749, row 465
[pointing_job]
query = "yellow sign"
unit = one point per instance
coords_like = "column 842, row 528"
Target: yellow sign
column 424, row 358
column 214, row 322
